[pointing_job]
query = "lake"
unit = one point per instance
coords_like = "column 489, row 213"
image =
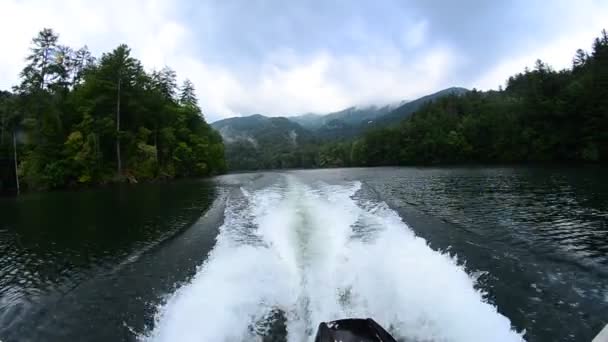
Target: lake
column 458, row 254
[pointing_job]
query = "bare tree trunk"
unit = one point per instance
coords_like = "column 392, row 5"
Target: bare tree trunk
column 2, row 133
column 156, row 143
column 156, row 150
column 97, row 150
column 119, row 161
column 15, row 158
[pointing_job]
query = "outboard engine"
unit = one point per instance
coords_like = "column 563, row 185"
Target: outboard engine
column 352, row 330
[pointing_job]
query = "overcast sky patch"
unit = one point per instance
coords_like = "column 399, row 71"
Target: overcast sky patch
column 287, row 57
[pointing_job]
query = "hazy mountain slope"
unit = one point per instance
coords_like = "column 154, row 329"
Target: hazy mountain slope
column 352, row 116
column 402, row 112
column 256, row 140
column 262, row 129
column 309, row 121
column 350, row 122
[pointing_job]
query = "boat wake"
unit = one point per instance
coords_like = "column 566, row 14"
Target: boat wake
column 292, row 255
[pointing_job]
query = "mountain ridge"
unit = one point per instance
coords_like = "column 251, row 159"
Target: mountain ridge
column 270, row 141
column 352, row 116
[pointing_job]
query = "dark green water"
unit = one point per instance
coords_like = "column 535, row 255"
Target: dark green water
column 62, row 255
column 95, row 265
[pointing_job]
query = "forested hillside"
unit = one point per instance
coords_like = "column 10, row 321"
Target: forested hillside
column 309, row 140
column 404, row 111
column 346, row 123
column 75, row 119
column 542, row 115
column 259, row 142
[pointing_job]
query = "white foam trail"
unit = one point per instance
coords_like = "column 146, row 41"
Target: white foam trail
column 318, row 255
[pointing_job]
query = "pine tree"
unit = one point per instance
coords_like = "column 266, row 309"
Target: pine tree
column 187, row 96
column 82, row 61
column 121, row 70
column 579, row 60
column 168, row 83
column 43, row 53
column 62, row 67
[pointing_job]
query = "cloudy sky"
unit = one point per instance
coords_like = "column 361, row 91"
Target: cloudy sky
column 286, row 57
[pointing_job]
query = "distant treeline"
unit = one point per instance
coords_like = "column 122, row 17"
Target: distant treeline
column 80, row 120
column 542, row 115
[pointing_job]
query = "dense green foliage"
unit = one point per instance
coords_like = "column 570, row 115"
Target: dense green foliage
column 309, row 140
column 259, row 142
column 543, row 115
column 79, row 120
column 353, row 121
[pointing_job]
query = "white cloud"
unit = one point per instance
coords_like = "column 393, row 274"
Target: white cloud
column 577, row 30
column 145, row 25
column 323, row 83
column 283, row 84
column 283, row 80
